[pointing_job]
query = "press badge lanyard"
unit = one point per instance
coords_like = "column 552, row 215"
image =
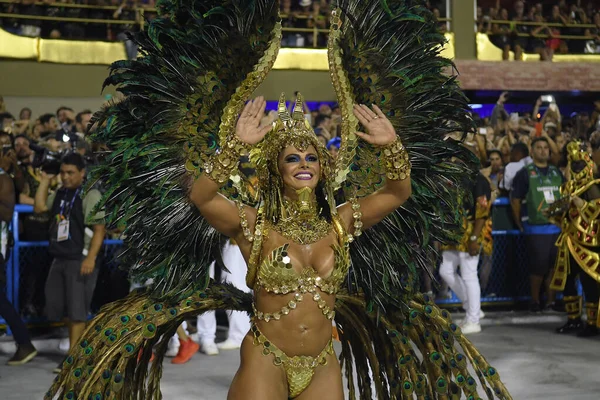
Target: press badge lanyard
column 548, row 193
column 63, row 224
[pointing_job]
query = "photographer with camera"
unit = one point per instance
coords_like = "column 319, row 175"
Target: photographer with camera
column 74, row 246
column 25, row 350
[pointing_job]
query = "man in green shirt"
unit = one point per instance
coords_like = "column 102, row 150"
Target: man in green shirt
column 535, row 187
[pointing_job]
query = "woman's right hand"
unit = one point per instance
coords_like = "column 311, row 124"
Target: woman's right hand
column 248, row 128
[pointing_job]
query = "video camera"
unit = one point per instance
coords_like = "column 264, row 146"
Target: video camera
column 48, row 161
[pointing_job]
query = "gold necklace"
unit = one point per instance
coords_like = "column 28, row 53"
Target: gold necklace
column 300, row 220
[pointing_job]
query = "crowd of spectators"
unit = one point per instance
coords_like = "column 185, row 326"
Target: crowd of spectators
column 300, row 18
column 501, row 131
column 123, row 10
column 306, row 22
column 555, row 19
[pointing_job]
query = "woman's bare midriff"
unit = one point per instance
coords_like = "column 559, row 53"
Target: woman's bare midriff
column 304, row 331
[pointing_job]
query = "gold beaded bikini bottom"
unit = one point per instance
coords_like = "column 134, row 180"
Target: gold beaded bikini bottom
column 299, row 370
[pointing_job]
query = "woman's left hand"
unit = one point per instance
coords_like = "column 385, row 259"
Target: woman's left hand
column 380, row 131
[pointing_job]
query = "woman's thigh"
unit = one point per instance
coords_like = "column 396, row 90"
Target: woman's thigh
column 326, row 383
column 257, row 378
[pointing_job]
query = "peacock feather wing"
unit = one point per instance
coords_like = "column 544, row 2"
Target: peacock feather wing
column 200, row 61
column 388, row 53
column 111, row 359
column 419, row 354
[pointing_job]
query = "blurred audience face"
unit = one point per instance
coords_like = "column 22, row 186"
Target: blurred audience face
column 70, row 176
column 519, row 8
column 65, row 116
column 52, row 144
column 7, row 121
column 495, row 162
column 5, row 139
column 560, row 141
column 50, row 126
column 25, row 114
column 334, row 151
column 85, row 120
column 22, row 149
column 540, row 152
column 7, row 160
column 325, row 109
column 37, row 130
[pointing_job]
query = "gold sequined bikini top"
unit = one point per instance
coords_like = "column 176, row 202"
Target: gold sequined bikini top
column 275, row 273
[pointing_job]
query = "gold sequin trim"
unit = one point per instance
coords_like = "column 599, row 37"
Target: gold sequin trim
column 244, row 222
column 396, row 162
column 357, row 215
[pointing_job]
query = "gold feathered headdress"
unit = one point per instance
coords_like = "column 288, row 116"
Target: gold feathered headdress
column 289, row 130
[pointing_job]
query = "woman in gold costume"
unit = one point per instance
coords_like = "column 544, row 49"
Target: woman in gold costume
column 301, row 260
column 174, row 179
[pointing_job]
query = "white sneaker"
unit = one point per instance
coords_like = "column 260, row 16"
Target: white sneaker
column 229, row 345
column 463, row 321
column 209, row 348
column 470, row 327
column 64, row 345
column 172, row 351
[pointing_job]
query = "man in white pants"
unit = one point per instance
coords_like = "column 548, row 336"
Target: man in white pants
column 239, row 322
column 466, row 255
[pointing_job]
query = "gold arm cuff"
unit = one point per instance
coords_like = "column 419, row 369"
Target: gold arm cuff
column 395, row 160
column 219, row 166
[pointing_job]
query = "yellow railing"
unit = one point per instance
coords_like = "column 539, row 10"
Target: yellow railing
column 140, row 20
column 540, row 24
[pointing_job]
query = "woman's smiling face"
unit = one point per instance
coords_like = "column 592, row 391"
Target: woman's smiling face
column 299, row 169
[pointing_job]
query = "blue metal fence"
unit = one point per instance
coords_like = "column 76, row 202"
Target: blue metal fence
column 29, row 254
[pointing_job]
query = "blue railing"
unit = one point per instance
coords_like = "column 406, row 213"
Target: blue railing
column 14, row 265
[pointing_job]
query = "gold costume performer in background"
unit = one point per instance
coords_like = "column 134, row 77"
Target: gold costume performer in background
column 578, row 214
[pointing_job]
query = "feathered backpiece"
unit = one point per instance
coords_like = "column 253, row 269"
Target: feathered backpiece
column 388, row 53
column 200, row 61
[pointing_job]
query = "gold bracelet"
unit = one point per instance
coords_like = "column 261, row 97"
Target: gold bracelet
column 244, row 222
column 219, row 166
column 396, row 162
column 357, row 215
